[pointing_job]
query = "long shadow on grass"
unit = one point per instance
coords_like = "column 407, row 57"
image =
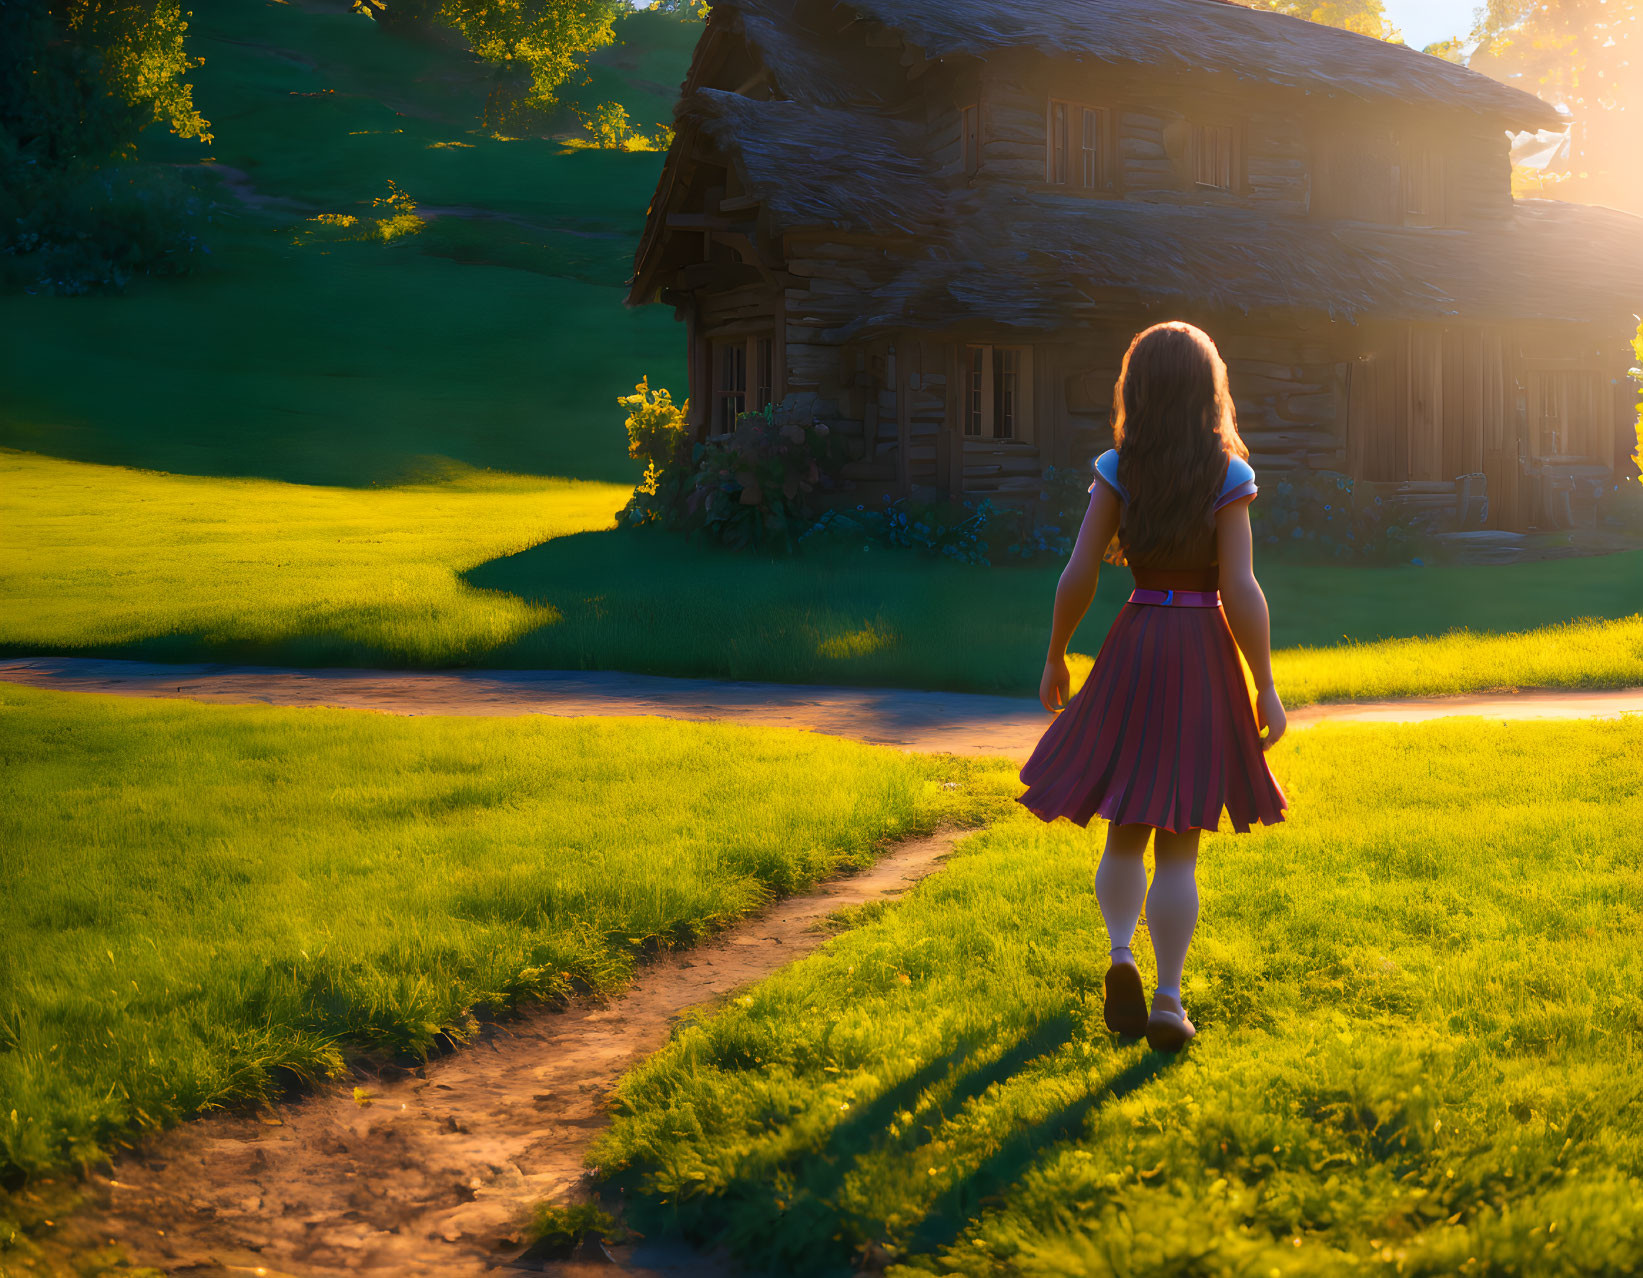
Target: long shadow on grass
column 964, row 1201
column 805, row 1229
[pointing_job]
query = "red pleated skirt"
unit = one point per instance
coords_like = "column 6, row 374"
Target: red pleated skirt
column 1162, row 733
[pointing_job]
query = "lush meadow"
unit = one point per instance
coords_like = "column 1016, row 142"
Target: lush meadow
column 484, row 568
column 1418, row 1046
column 406, row 374
column 486, row 326
column 106, row 559
column 199, row 904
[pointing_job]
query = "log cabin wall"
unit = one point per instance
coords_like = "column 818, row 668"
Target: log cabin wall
column 1149, row 129
column 874, row 347
column 1530, row 408
column 1286, row 149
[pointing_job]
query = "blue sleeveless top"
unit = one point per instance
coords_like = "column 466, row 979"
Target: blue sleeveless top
column 1238, row 486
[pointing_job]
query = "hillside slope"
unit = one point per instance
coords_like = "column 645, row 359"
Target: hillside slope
column 487, row 327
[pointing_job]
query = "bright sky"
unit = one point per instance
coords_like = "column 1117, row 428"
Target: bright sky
column 1425, row 22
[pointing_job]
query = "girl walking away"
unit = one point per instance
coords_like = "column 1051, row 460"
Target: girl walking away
column 1162, row 737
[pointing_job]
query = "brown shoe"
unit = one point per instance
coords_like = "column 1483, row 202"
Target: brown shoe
column 1125, row 1006
column 1169, row 1031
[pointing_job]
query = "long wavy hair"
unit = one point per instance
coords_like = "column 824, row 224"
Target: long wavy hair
column 1176, row 430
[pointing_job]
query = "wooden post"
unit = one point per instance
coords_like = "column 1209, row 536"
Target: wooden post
column 905, row 348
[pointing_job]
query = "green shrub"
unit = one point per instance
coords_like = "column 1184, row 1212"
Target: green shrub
column 92, row 230
column 756, row 485
column 1637, row 376
column 961, row 530
column 1316, row 515
column 659, row 437
column 558, row 1231
column 751, row 488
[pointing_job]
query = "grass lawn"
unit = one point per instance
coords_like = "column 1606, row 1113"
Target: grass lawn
column 496, row 336
column 480, row 568
column 110, row 559
column 1418, row 1054
column 196, row 900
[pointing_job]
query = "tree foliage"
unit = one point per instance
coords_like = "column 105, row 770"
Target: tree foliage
column 79, row 82
column 535, row 46
column 1586, row 56
column 1366, row 17
column 80, row 79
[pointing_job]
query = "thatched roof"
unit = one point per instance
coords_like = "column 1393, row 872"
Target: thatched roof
column 819, row 165
column 1194, row 36
column 1044, row 259
column 1210, row 35
column 1033, row 259
column 829, row 153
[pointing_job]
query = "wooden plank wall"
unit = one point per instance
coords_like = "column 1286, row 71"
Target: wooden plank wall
column 1150, row 115
column 1290, row 150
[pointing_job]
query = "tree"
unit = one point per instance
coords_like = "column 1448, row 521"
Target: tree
column 79, row 82
column 80, row 79
column 1585, row 56
column 534, row 45
column 1366, row 17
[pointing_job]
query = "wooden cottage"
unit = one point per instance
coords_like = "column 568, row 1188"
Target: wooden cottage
column 936, row 224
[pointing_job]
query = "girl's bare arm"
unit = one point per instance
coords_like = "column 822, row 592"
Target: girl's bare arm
column 1075, row 591
column 1247, row 615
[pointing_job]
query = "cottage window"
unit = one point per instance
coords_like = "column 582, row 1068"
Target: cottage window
column 1215, row 156
column 1568, row 414
column 1058, row 159
column 744, row 378
column 763, row 379
column 1422, row 186
column 970, row 131
column 997, row 392
column 1093, row 150
column 1077, row 150
column 1415, row 192
column 731, row 391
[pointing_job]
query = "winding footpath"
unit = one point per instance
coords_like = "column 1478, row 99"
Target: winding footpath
column 431, row 1171
column 949, row 722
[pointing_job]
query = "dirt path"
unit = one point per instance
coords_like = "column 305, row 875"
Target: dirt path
column 434, row 1176
column 954, row 722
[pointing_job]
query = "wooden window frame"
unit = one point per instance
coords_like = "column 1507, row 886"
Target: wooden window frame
column 983, row 401
column 969, row 137
column 1058, row 141
column 1066, row 146
column 1231, row 135
column 1422, row 171
column 754, row 356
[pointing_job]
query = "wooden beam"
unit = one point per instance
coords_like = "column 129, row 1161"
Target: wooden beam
column 905, row 348
column 705, row 222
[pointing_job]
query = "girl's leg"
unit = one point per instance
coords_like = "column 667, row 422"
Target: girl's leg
column 1172, row 910
column 1121, row 885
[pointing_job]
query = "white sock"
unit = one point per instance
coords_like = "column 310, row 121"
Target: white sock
column 1121, row 889
column 1172, row 914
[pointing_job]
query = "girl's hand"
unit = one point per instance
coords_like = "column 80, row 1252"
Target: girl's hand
column 1055, row 687
column 1269, row 714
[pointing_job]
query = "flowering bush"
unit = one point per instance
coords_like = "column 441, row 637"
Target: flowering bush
column 1637, row 376
column 753, row 487
column 657, row 436
column 951, row 529
column 1312, row 514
